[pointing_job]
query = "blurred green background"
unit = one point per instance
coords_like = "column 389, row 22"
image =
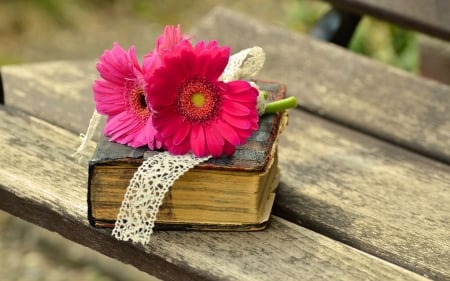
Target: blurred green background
column 35, row 30
column 32, row 31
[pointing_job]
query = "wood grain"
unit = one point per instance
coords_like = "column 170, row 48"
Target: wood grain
column 427, row 16
column 40, row 182
column 369, row 194
column 59, row 92
column 360, row 93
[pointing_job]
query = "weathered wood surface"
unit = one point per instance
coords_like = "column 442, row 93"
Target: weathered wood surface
column 367, row 193
column 356, row 91
column 59, row 92
column 40, row 182
column 427, row 16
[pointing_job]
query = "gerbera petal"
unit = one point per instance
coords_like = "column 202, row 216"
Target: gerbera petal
column 243, row 97
column 105, row 87
column 213, row 44
column 180, row 149
column 110, row 75
column 162, row 119
column 151, row 135
column 188, row 63
column 244, row 134
column 117, row 123
column 150, row 62
column 228, row 148
column 122, row 127
column 198, row 144
column 108, row 99
column 169, row 39
column 107, row 93
column 118, row 54
column 235, row 108
column 138, row 139
column 204, row 62
column 220, row 61
column 133, row 58
column 171, row 127
column 241, row 123
column 157, row 98
column 117, row 60
column 214, row 141
column 227, row 132
column 182, row 133
column 212, row 59
column 109, row 109
column 239, row 86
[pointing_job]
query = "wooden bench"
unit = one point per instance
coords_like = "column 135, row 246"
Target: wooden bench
column 365, row 188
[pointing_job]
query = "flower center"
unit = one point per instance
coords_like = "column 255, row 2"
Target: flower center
column 137, row 102
column 198, row 99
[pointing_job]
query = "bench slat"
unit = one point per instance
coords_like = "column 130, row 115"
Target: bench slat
column 367, row 193
column 356, row 91
column 42, row 184
column 59, row 92
column 427, row 16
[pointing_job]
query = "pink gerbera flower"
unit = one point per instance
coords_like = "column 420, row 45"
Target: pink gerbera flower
column 193, row 110
column 120, row 95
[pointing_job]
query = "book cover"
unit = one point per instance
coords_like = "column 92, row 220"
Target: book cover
column 226, row 193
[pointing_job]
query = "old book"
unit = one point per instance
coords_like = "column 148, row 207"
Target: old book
column 227, row 193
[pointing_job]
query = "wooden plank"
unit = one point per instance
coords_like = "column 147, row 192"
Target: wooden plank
column 378, row 198
column 427, row 16
column 353, row 90
column 42, row 184
column 59, row 92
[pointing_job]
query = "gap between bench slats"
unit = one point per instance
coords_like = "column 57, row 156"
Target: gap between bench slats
column 42, row 184
column 427, row 16
column 353, row 90
column 2, row 95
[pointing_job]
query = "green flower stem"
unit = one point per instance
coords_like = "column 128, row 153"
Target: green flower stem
column 280, row 105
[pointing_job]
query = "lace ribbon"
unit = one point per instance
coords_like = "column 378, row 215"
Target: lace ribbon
column 85, row 138
column 244, row 64
column 146, row 192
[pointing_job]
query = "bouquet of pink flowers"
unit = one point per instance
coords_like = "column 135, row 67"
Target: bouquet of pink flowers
column 175, row 100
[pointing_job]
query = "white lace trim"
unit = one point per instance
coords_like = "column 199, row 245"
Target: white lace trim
column 146, row 192
column 85, row 138
column 244, row 64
